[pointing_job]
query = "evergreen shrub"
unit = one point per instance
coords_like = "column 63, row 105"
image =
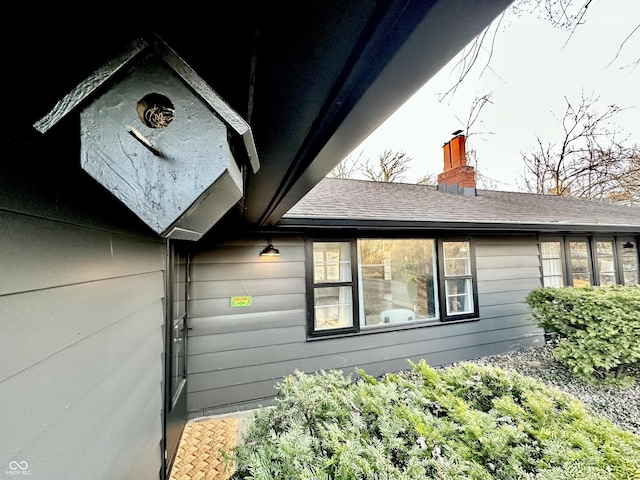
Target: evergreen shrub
column 468, row 422
column 597, row 328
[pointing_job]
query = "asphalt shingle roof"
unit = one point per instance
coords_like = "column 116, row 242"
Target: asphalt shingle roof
column 348, row 200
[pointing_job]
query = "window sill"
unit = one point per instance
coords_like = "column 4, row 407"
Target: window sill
column 386, row 328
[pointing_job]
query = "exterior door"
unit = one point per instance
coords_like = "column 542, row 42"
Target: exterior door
column 175, row 350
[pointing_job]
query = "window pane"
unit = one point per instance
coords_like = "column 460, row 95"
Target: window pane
column 607, row 279
column 396, row 280
column 457, row 266
column 631, row 278
column 550, row 249
column 332, row 307
column 459, row 296
column 555, row 281
column 457, row 260
column 331, row 262
column 629, row 258
column 606, row 263
column 581, row 280
column 580, row 264
column 552, row 266
column 604, row 248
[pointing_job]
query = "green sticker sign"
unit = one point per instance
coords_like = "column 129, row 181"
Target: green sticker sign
column 243, row 301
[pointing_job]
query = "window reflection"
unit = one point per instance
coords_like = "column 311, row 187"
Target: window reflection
column 606, row 262
column 628, row 251
column 397, row 280
column 580, row 264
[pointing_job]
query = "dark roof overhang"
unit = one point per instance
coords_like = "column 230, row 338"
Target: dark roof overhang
column 451, row 227
column 312, row 79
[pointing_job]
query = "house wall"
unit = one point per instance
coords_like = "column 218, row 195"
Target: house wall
column 507, row 269
column 236, row 355
column 81, row 318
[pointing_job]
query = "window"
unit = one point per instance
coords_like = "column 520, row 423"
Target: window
column 332, row 286
column 605, row 262
column 373, row 283
column 589, row 261
column 458, row 280
column 397, row 280
column 552, row 264
column 628, row 255
column 579, row 263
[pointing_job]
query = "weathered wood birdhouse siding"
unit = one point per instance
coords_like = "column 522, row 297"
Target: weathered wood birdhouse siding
column 158, row 137
column 158, row 148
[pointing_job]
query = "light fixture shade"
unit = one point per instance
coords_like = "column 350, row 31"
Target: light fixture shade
column 270, row 251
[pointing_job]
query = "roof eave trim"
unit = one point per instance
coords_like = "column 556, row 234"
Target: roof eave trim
column 454, row 226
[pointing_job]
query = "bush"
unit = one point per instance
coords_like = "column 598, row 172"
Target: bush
column 598, row 329
column 466, row 422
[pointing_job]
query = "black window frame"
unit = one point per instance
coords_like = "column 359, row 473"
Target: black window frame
column 595, row 258
column 355, row 328
column 312, row 285
column 620, row 241
column 563, row 258
column 442, row 278
column 594, row 268
column 588, row 241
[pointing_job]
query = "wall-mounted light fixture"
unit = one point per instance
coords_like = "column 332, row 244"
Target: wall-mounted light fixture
column 269, row 250
column 627, row 245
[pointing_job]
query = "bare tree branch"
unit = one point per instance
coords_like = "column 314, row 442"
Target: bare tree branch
column 429, row 178
column 470, row 55
column 482, row 181
column 589, row 160
column 390, row 168
column 623, row 43
column 561, row 14
column 474, row 113
column 575, row 20
column 347, row 168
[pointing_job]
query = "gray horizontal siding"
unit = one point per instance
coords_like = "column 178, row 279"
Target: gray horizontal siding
column 508, row 286
column 256, row 382
column 265, row 352
column 262, row 391
column 226, row 342
column 276, row 318
column 260, row 303
column 242, row 322
column 55, row 250
column 507, row 270
column 61, row 318
column 236, row 355
column 227, row 272
column 81, row 316
column 312, row 359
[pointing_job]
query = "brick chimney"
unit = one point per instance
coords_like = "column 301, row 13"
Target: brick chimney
column 457, row 176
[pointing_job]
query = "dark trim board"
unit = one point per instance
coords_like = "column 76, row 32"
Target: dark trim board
column 442, row 228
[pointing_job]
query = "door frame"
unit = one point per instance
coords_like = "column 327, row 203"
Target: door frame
column 176, row 317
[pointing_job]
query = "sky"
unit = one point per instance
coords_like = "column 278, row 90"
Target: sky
column 532, row 68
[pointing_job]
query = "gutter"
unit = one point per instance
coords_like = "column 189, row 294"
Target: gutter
column 489, row 227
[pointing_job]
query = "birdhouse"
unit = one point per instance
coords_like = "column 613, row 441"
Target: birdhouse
column 161, row 140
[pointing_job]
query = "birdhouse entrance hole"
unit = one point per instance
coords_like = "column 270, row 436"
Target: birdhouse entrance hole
column 156, row 110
